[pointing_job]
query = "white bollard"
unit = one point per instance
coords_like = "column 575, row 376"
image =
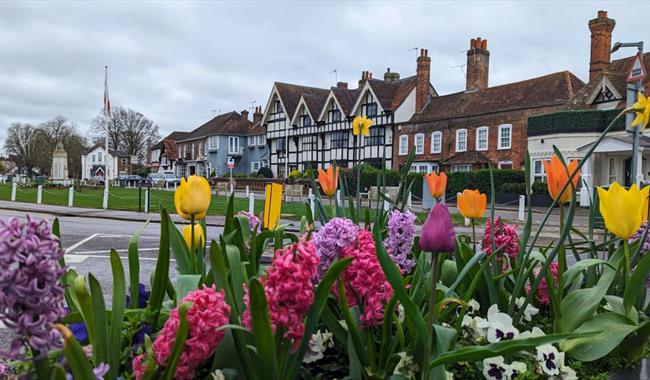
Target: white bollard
column 312, row 204
column 39, row 195
column 247, row 191
column 232, row 189
column 105, row 201
column 409, row 202
column 386, row 205
column 146, row 200
column 467, row 221
column 251, row 203
column 70, row 196
column 338, row 197
column 522, row 206
column 14, row 186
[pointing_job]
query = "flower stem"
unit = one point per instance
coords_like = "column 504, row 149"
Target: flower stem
column 192, row 253
column 433, row 314
column 626, row 268
column 42, row 367
column 473, row 236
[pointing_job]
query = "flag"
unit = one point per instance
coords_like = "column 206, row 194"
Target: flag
column 107, row 101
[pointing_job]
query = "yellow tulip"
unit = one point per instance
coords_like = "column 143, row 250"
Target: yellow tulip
column 192, row 197
column 471, row 203
column 361, row 125
column 623, row 210
column 642, row 110
column 437, row 184
column 199, row 238
column 557, row 176
column 328, row 180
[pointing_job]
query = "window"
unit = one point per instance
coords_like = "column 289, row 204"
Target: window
column 99, row 156
column 280, row 144
column 277, row 107
column 233, row 144
column 482, row 138
column 436, row 142
column 419, row 143
column 264, row 163
column 403, row 145
column 505, row 136
column 192, row 151
column 310, row 142
column 125, row 161
column 213, row 142
column 261, row 140
column 181, row 170
column 377, row 136
column 419, row 168
column 200, row 148
column 255, row 166
column 205, row 148
column 538, row 171
column 340, row 139
column 334, row 114
column 505, row 164
column 461, row 168
column 93, row 158
column 252, row 140
column 305, row 120
column 461, row 140
column 369, row 107
column 611, row 171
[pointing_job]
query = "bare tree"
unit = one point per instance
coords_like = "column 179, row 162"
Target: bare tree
column 22, row 142
column 60, row 130
column 128, row 131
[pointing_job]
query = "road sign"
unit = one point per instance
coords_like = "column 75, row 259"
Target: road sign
column 231, row 163
column 638, row 72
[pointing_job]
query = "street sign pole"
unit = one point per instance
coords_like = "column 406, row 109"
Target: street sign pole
column 634, row 85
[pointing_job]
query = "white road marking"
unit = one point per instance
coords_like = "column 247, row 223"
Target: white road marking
column 74, row 258
column 2, row 325
column 108, row 251
column 79, row 243
column 126, row 236
column 125, row 258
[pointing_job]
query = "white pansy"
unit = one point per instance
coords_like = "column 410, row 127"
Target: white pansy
column 318, row 343
column 495, row 368
column 401, row 314
column 477, row 326
column 608, row 307
column 449, row 375
column 218, row 375
column 343, row 324
column 473, row 306
column 500, row 326
column 566, row 372
column 529, row 311
column 405, row 367
column 515, row 369
column 549, row 358
column 535, row 332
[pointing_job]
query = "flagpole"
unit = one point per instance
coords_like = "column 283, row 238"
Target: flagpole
column 107, row 117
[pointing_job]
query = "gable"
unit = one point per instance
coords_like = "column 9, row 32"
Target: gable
column 605, row 92
column 326, row 107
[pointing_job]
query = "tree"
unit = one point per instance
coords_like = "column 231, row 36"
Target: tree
column 22, row 143
column 128, row 131
column 60, row 130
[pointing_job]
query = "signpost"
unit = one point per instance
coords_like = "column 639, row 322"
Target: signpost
column 231, row 166
column 638, row 73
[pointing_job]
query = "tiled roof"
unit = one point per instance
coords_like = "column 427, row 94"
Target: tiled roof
column 290, row 94
column 171, row 150
column 176, row 135
column 315, row 101
column 112, row 152
column 616, row 73
column 231, row 123
column 346, row 98
column 471, row 157
column 552, row 89
column 392, row 94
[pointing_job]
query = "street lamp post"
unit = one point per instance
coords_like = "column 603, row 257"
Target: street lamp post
column 632, row 90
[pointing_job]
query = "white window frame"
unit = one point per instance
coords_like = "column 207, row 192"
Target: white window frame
column 461, row 168
column 264, row 163
column 233, row 142
column 507, row 162
column 436, row 147
column 213, row 142
column 478, row 139
column 403, row 145
column 255, row 164
column 100, row 156
column 502, row 128
column 419, row 148
column 538, row 174
column 192, row 152
column 458, row 140
column 251, row 141
column 612, row 175
column 261, row 140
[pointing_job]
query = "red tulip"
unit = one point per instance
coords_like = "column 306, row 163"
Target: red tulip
column 438, row 232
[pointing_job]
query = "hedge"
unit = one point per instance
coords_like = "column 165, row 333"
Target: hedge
column 480, row 180
column 574, row 122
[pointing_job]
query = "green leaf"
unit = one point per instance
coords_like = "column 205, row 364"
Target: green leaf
column 134, row 268
column 83, row 302
column 185, row 283
column 617, row 307
column 574, row 270
column 637, row 283
column 237, row 276
column 58, row 373
column 474, row 260
column 100, row 343
column 179, row 342
column 161, row 273
column 117, row 314
column 80, row 365
column 609, row 331
column 179, row 248
column 445, row 337
column 262, row 334
column 353, row 330
column 475, row 353
column 448, row 272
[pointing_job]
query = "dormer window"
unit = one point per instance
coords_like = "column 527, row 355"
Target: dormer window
column 369, row 106
column 305, row 119
column 277, row 107
column 334, row 113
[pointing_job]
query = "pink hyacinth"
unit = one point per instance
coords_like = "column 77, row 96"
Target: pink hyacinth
column 138, row 367
column 364, row 279
column 289, row 289
column 543, row 296
column 505, row 238
column 209, row 312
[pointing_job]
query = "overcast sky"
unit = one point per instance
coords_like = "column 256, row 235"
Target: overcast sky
column 176, row 62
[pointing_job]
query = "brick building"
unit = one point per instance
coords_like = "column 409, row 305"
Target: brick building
column 481, row 125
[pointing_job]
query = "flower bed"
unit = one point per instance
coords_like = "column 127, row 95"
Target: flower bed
column 357, row 296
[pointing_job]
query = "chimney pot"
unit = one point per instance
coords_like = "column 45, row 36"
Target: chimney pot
column 602, row 14
column 478, row 64
column 342, row 85
column 484, row 44
column 244, row 114
column 472, row 42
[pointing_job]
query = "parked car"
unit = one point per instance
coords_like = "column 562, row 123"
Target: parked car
column 170, row 180
column 155, row 179
column 97, row 180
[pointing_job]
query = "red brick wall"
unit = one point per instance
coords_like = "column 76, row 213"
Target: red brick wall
column 601, row 43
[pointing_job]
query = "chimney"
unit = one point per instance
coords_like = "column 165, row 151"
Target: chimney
column 601, row 43
column 365, row 75
column 390, row 76
column 244, row 114
column 423, row 80
column 257, row 115
column 342, row 85
column 478, row 65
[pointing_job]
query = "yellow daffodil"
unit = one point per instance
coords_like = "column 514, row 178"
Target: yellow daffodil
column 642, row 110
column 472, row 203
column 328, row 180
column 557, row 176
column 192, row 197
column 623, row 210
column 199, row 238
column 437, row 184
column 361, row 125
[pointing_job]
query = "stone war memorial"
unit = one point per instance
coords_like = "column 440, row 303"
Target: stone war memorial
column 59, row 172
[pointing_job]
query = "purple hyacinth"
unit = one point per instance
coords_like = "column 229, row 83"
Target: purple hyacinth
column 401, row 231
column 638, row 235
column 336, row 234
column 253, row 221
column 31, row 297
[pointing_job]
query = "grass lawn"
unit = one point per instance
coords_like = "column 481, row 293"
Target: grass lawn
column 127, row 199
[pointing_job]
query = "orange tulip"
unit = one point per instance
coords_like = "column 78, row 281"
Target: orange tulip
column 329, row 180
column 557, row 176
column 437, row 184
column 472, row 204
